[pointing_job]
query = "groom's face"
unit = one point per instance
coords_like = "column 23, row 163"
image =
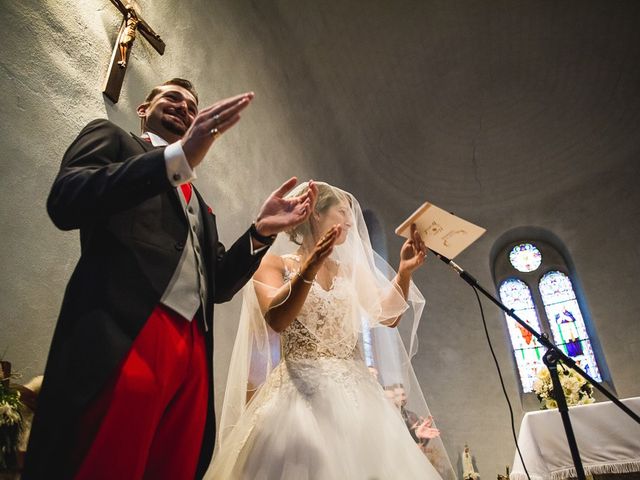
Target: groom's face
column 169, row 113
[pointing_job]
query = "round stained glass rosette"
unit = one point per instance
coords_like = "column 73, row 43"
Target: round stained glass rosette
column 525, row 257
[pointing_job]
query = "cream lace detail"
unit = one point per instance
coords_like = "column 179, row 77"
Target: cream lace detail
column 320, row 331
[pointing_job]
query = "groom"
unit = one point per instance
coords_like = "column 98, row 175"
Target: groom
column 127, row 390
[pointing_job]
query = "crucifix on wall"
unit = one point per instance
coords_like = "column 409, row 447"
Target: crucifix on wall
column 132, row 23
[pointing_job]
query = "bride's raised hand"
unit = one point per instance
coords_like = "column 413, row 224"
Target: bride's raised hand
column 412, row 253
column 320, row 253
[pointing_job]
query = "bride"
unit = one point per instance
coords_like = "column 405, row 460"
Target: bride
column 300, row 402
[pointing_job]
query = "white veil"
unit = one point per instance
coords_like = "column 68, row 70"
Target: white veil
column 376, row 300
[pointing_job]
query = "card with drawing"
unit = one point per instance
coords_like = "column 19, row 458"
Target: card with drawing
column 440, row 230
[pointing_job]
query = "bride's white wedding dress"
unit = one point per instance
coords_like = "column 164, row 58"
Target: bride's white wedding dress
column 320, row 414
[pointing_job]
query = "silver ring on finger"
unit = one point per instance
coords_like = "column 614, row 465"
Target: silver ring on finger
column 216, row 117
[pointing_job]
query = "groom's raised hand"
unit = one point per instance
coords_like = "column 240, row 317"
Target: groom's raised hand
column 210, row 123
column 279, row 214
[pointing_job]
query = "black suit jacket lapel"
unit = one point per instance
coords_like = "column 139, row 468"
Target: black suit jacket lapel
column 146, row 146
column 174, row 195
column 210, row 249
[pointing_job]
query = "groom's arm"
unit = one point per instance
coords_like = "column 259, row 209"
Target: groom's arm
column 95, row 179
column 235, row 267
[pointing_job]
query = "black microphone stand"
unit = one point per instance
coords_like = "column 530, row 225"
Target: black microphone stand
column 550, row 359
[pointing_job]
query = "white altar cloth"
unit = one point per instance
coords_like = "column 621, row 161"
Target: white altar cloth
column 608, row 441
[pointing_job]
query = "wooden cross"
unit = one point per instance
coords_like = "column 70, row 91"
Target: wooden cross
column 132, row 23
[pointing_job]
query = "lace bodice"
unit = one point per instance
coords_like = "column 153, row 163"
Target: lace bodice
column 323, row 326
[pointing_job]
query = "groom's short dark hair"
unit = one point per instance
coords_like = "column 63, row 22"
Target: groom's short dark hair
column 181, row 82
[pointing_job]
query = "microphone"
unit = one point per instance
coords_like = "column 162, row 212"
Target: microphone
column 457, row 268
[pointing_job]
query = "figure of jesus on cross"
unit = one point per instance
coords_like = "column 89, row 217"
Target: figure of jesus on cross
column 132, row 23
column 128, row 35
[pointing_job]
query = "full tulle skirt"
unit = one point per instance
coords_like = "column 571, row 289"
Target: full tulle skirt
column 320, row 419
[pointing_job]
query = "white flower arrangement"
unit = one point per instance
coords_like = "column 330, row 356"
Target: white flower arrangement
column 9, row 414
column 10, row 424
column 576, row 389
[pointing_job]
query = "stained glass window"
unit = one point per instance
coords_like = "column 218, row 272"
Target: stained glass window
column 515, row 294
column 525, row 257
column 532, row 278
column 567, row 323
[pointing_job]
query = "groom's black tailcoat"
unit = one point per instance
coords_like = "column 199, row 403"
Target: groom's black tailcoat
column 113, row 187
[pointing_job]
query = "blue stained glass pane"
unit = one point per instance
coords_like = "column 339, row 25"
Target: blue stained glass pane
column 567, row 323
column 528, row 352
column 525, row 257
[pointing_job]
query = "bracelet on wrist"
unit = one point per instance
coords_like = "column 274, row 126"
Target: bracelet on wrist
column 308, row 282
column 264, row 239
